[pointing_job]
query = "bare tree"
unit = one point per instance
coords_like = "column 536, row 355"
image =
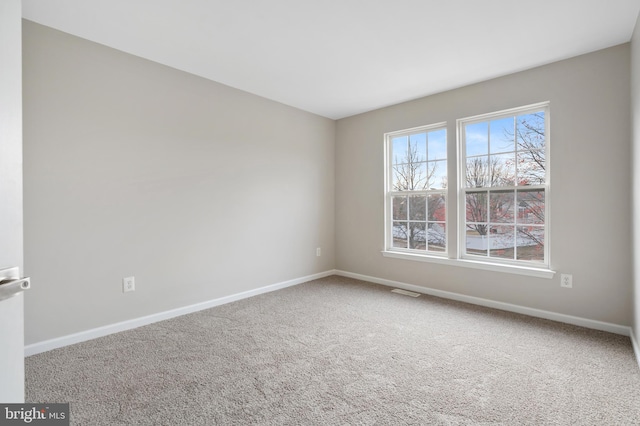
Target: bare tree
column 481, row 173
column 413, row 173
column 531, row 139
column 530, row 169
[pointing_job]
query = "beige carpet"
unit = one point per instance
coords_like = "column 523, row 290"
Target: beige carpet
column 340, row 351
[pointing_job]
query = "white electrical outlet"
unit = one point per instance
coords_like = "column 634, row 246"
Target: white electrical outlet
column 566, row 280
column 318, row 252
column 128, row 284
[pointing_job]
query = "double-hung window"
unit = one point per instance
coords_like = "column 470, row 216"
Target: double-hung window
column 417, row 190
column 500, row 191
column 503, row 186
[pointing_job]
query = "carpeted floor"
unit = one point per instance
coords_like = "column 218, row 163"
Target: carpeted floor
column 340, row 351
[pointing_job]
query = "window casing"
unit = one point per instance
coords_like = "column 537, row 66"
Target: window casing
column 416, row 190
column 504, row 186
column 495, row 212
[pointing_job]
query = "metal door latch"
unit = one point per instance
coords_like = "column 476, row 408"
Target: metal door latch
column 11, row 283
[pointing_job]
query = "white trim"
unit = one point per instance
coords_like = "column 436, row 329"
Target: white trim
column 505, row 112
column 388, row 176
column 634, row 343
column 463, row 190
column 59, row 342
column 417, row 129
column 538, row 313
column 467, row 263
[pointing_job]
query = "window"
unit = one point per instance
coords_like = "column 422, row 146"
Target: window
column 416, row 190
column 503, row 186
column 500, row 192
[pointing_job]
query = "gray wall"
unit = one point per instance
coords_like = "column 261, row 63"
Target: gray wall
column 635, row 111
column 590, row 187
column 132, row 168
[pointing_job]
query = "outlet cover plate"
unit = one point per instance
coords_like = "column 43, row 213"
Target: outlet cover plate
column 566, row 280
column 128, row 284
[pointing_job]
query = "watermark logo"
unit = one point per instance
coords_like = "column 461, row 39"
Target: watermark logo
column 34, row 414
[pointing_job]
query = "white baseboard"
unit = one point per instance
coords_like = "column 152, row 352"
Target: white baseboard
column 47, row 345
column 539, row 313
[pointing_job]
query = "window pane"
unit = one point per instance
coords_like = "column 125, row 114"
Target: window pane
column 417, row 207
column 502, row 135
column 418, row 171
column 437, row 147
column 530, row 131
column 399, row 149
column 399, row 208
column 399, row 181
column 478, row 172
column 400, row 234
column 501, row 207
column 437, row 174
column 531, row 167
column 476, row 239
column 437, row 236
column 410, row 176
column 503, row 170
column 476, row 138
column 531, row 243
column 437, row 208
column 418, row 146
column 502, row 241
column 476, row 207
column 419, row 177
column 417, row 235
column 531, row 206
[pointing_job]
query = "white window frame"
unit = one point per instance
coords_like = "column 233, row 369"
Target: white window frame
column 455, row 199
column 462, row 190
column 390, row 193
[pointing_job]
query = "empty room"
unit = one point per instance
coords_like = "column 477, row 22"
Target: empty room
column 306, row 212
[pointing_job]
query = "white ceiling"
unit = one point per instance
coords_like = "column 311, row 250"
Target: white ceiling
column 338, row 58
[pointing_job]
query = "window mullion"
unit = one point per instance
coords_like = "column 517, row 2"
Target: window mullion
column 502, row 149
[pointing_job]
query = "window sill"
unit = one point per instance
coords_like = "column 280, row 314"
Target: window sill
column 465, row 263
